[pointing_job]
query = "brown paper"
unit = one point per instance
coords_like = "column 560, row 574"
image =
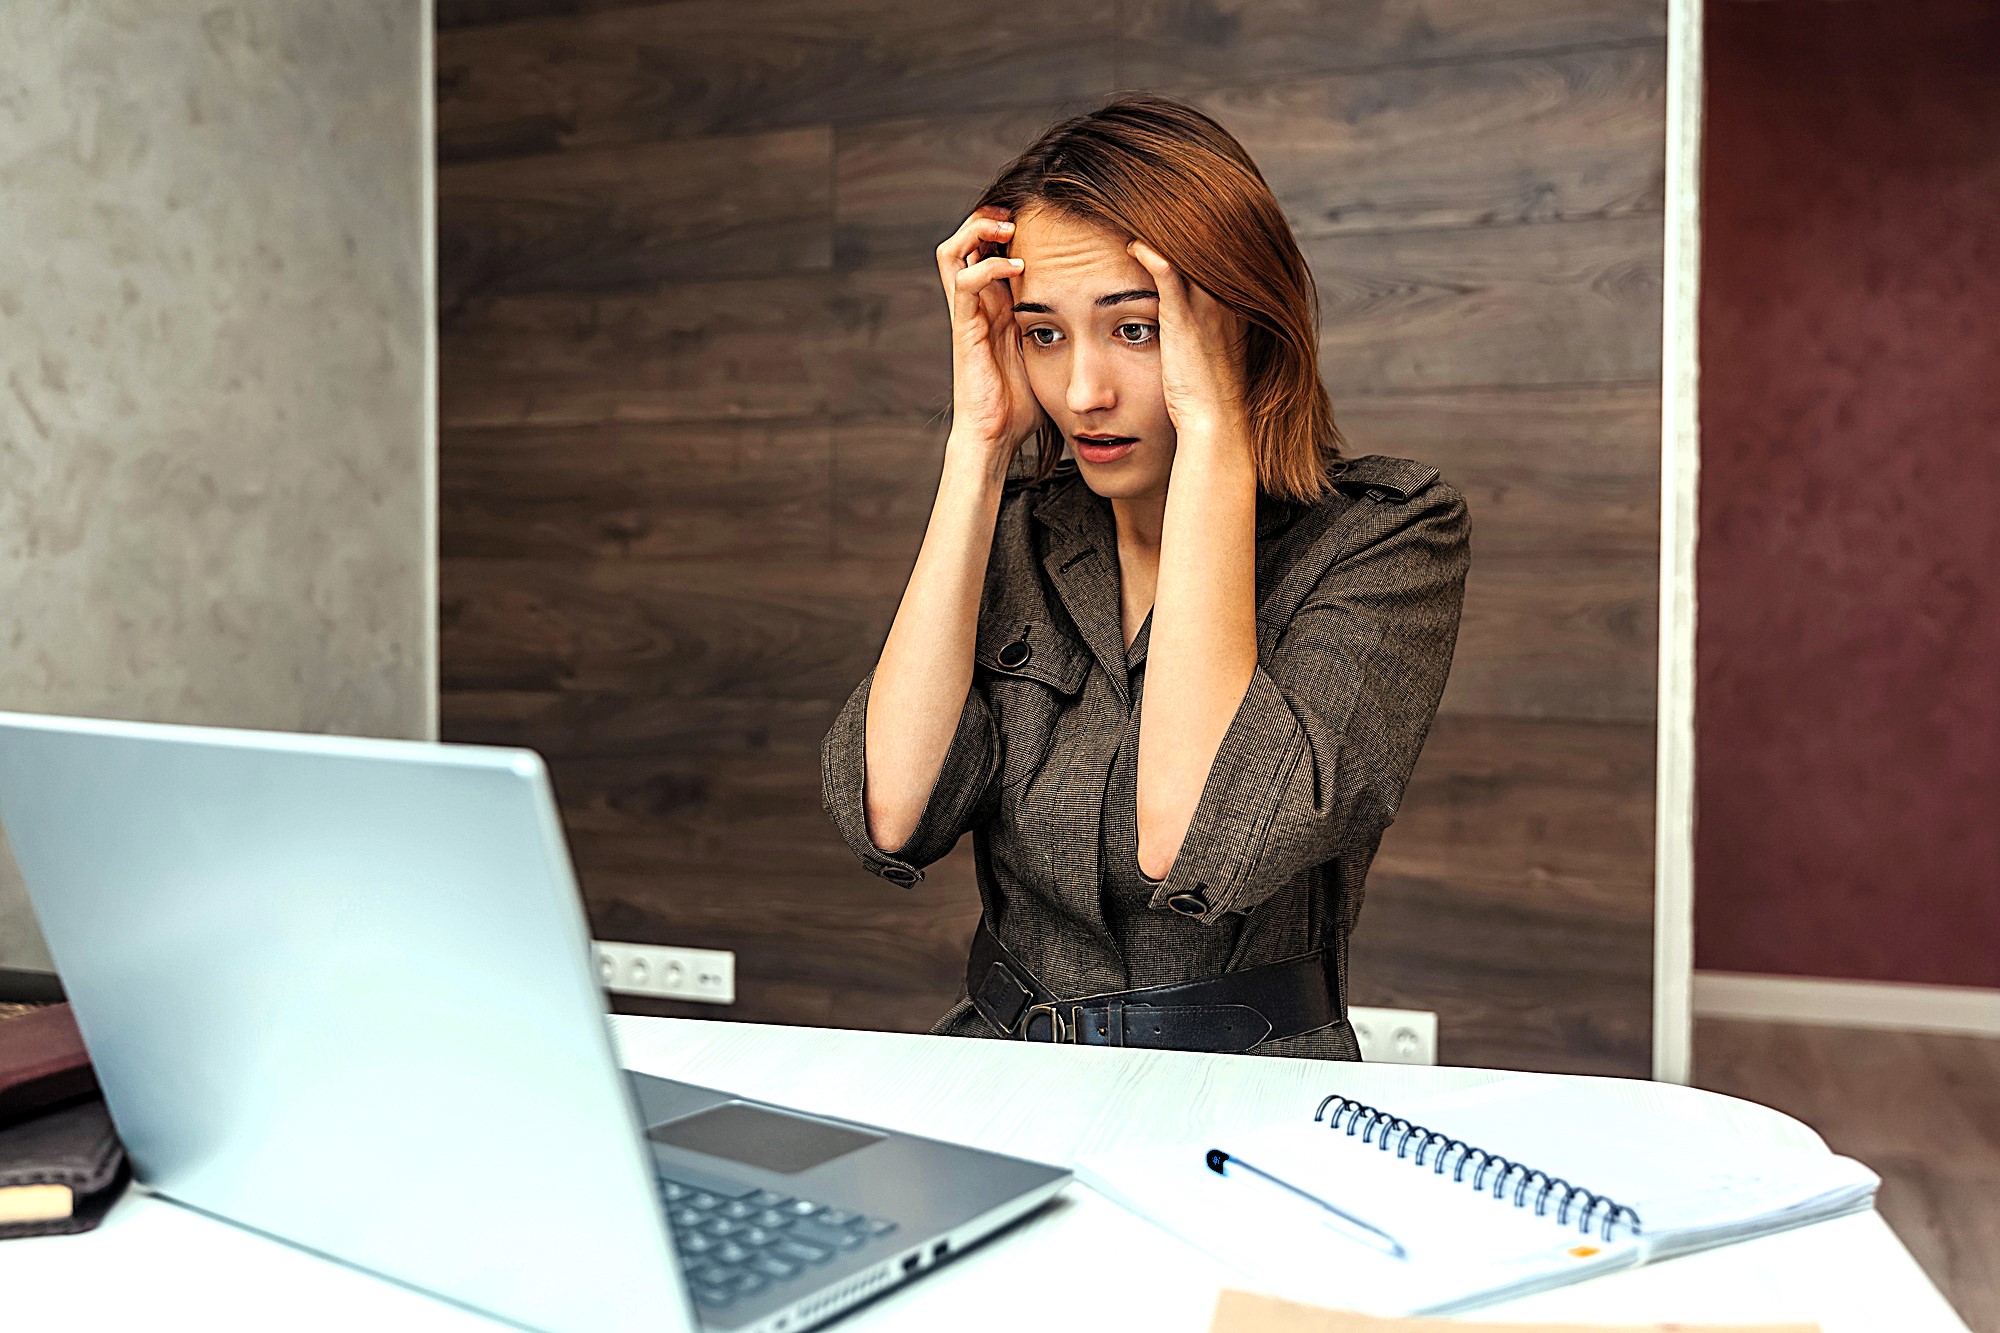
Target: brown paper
column 1249, row 1312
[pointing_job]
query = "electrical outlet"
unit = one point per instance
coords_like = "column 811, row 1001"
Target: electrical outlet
column 1396, row 1036
column 707, row 975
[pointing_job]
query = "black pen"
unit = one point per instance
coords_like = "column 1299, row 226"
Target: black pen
column 1352, row 1227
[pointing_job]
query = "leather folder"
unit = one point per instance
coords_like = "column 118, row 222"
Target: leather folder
column 43, row 1063
column 61, row 1163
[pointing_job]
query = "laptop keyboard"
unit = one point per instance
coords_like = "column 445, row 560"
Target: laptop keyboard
column 733, row 1246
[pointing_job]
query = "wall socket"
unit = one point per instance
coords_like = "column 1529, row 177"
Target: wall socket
column 1396, row 1036
column 707, row 975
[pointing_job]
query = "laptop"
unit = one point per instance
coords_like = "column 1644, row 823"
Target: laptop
column 340, row 991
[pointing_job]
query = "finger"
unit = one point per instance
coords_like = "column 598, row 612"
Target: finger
column 968, row 283
column 982, row 227
column 1166, row 279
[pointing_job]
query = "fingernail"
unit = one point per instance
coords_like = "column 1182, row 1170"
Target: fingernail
column 1006, row 226
column 1015, row 262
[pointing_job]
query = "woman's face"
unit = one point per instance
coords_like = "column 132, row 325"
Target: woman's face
column 1090, row 329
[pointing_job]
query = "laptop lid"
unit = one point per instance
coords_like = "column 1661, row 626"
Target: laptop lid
column 340, row 991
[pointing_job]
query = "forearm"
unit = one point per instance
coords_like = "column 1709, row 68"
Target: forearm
column 925, row 669
column 1203, row 645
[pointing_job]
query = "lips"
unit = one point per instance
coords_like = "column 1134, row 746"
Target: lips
column 1104, row 448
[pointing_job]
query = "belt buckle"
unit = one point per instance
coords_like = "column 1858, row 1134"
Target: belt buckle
column 1058, row 1030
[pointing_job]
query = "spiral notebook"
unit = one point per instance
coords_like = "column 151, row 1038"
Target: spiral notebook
column 1497, row 1192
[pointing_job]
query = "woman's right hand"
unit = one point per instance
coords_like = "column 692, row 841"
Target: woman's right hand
column 993, row 407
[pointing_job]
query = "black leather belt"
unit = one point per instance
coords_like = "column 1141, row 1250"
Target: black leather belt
column 1232, row 1012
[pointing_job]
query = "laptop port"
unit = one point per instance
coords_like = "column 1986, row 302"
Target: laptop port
column 940, row 1250
column 910, row 1263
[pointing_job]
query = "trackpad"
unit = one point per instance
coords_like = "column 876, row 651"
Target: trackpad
column 760, row 1137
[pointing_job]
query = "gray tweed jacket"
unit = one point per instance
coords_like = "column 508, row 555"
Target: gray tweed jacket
column 1358, row 602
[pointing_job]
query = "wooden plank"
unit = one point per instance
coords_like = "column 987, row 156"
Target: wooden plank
column 619, row 491
column 680, row 351
column 885, row 478
column 1175, row 42
column 1539, row 138
column 697, row 67
column 872, row 343
column 727, row 627
column 1515, row 1001
column 615, row 218
column 1552, row 471
column 848, row 929
column 1554, row 636
column 1550, row 303
column 474, row 13
column 902, row 185
column 695, row 782
column 1537, row 815
column 1513, row 896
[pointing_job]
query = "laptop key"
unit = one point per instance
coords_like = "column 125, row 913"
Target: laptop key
column 773, row 1218
column 729, row 1252
column 835, row 1217
column 673, row 1192
column 702, row 1199
column 770, row 1265
column 720, row 1227
column 834, row 1238
column 713, row 1298
column 877, row 1226
column 707, row 1275
column 737, row 1209
column 757, row 1237
column 693, row 1242
column 686, row 1218
column 765, row 1199
column 805, row 1254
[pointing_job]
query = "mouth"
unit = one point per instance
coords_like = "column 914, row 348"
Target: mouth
column 1103, row 448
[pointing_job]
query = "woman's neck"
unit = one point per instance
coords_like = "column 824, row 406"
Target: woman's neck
column 1139, row 521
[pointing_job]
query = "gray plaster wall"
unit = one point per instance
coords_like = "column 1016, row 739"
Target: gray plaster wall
column 216, row 421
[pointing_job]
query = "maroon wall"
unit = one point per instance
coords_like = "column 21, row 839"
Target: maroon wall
column 1848, row 697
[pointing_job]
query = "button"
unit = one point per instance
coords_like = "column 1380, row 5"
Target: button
column 1015, row 655
column 1188, row 904
column 899, row 874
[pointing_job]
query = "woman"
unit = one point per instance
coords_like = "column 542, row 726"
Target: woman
column 1183, row 874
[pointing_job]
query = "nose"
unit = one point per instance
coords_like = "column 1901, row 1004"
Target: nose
column 1090, row 387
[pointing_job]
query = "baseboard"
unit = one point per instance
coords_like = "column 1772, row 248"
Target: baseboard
column 1970, row 1010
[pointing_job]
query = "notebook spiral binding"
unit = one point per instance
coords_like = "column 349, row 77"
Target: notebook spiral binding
column 1379, row 1127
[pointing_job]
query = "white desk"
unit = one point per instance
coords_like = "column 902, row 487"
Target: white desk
column 153, row 1265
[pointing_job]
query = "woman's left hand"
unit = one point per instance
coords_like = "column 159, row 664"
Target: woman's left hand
column 1201, row 350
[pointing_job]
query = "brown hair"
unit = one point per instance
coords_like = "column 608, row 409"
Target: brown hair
column 1161, row 171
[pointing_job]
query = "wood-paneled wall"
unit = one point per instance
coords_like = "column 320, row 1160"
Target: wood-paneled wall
column 694, row 368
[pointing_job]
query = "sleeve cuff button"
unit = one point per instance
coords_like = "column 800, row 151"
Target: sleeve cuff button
column 1188, row 904
column 899, row 874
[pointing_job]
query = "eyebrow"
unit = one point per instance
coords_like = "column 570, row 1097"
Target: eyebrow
column 1114, row 298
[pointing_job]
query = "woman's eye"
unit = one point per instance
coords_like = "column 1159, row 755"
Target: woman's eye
column 1035, row 337
column 1139, row 339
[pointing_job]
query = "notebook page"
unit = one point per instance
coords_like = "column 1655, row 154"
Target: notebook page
column 1461, row 1247
column 1685, row 1179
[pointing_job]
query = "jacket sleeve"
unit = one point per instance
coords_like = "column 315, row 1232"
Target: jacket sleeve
column 1316, row 757
column 960, row 797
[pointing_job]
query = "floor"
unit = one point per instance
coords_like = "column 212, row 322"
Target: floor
column 1922, row 1109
